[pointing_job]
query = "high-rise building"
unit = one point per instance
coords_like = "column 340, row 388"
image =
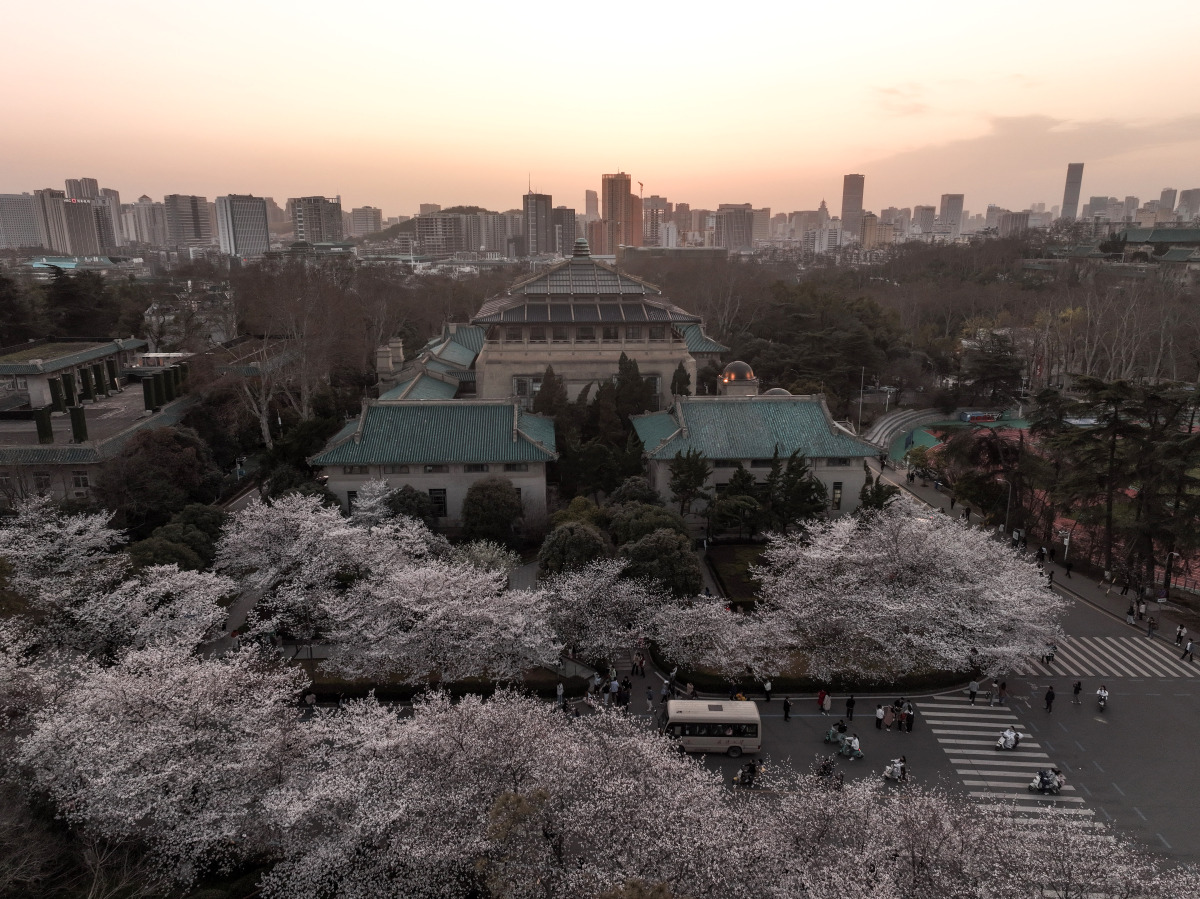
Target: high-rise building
column 82, row 188
column 443, row 233
column 151, row 221
column 682, row 216
column 562, row 220
column 1129, row 207
column 735, row 226
column 1070, row 204
column 51, row 220
column 950, row 214
column 539, row 229
column 365, row 220
column 430, row 208
column 852, row 203
column 1167, row 199
column 318, row 219
column 1189, row 204
column 762, row 223
column 591, row 205
column 111, row 200
column 623, row 220
column 83, row 238
column 188, row 221
column 19, row 222
column 243, row 228
column 923, row 218
column 275, row 214
column 656, row 211
column 108, row 236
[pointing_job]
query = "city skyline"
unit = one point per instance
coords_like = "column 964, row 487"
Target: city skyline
column 999, row 133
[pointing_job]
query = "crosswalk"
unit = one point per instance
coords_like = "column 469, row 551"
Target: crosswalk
column 1112, row 657
column 968, row 735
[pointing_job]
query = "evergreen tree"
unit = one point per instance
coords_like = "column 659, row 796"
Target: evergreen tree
column 634, row 394
column 551, row 399
column 689, row 473
column 491, row 510
column 681, row 382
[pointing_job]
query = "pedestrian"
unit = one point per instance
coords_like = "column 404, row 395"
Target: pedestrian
column 994, row 693
column 787, row 709
column 614, row 688
column 666, row 692
column 1003, row 691
column 879, row 713
column 1187, row 652
column 910, row 714
column 850, row 709
column 821, row 702
column 1053, row 553
column 650, row 700
column 1068, row 566
column 767, row 689
column 967, row 514
column 1050, row 578
column 901, row 720
column 691, row 690
column 1075, row 691
column 1130, row 614
column 674, row 673
column 559, row 690
column 1141, row 609
column 1049, row 698
column 828, row 704
column 972, row 689
column 888, row 717
column 952, row 500
column 733, row 692
column 1151, row 627
column 1125, row 585
column 1041, row 554
column 1180, row 633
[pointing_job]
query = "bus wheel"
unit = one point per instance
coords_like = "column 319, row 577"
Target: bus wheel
column 735, row 751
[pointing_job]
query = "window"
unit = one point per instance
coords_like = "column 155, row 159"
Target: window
column 760, row 463
column 585, row 334
column 395, row 469
column 537, row 334
column 611, row 332
column 561, row 334
column 473, row 468
column 438, row 496
column 526, row 386
column 351, row 497
column 514, row 334
column 437, row 469
column 355, row 469
column 658, row 332
column 633, row 332
column 837, row 463
column 516, row 466
column 41, row 480
column 836, row 501
column 725, row 463
column 79, row 479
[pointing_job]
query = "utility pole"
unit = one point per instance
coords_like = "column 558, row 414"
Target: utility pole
column 862, row 382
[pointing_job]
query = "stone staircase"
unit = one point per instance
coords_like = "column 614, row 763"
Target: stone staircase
column 886, row 428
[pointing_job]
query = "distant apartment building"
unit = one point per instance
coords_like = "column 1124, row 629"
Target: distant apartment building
column 762, row 224
column 110, row 200
column 620, row 213
column 656, row 211
column 875, row 232
column 243, row 227
column 950, row 214
column 539, row 228
column 83, row 237
column 187, row 219
column 682, row 217
column 923, row 218
column 735, row 226
column 276, row 215
column 1167, row 199
column 365, row 220
column 19, row 222
column 82, row 188
column 430, row 208
column 442, row 234
column 1070, row 204
column 149, row 223
column 1013, row 223
column 562, row 222
column 317, row 219
column 853, row 187
column 591, row 205
column 1189, row 204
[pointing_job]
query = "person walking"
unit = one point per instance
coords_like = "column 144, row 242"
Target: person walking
column 994, row 693
column 909, row 714
column 1180, row 633
column 1125, row 585
column 1151, row 627
column 1049, row 698
column 1067, row 566
column 1141, row 609
column 650, row 700
column 879, row 713
column 972, row 689
column 889, row 717
column 787, row 709
column 952, row 500
column 821, row 702
column 1053, row 553
column 1003, row 692
column 1075, row 691
column 559, row 690
column 850, row 709
column 1050, row 578
column 1130, row 614
column 1187, row 652
column 828, row 704
column 767, row 689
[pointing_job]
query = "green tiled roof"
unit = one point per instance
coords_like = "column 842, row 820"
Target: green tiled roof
column 51, row 361
column 469, row 336
column 422, row 387
column 699, row 342
column 747, row 428
column 431, row 431
column 455, row 353
column 396, row 392
column 1161, row 235
column 1179, row 254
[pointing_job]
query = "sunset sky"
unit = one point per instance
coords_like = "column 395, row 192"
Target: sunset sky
column 398, row 103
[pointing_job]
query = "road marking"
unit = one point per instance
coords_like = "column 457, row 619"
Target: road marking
column 1118, row 789
column 1164, row 842
column 1097, row 764
column 1139, row 811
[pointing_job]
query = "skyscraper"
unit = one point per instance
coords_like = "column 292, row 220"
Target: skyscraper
column 83, row 238
column 51, row 221
column 539, row 229
column 656, row 211
column 923, row 217
column 111, row 200
column 82, row 188
column 951, row 213
column 591, row 205
column 735, row 226
column 188, row 223
column 622, row 226
column 1070, row 205
column 562, row 222
column 18, row 222
column 319, row 219
column 365, row 220
column 852, row 203
column 151, row 221
column 1167, row 200
column 242, row 226
column 1189, row 204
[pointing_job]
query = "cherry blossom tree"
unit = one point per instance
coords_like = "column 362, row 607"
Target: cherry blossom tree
column 173, row 750
column 903, row 590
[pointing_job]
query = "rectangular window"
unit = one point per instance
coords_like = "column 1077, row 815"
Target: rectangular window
column 351, row 496
column 836, row 501
column 516, row 466
column 760, row 463
column 837, row 463
column 633, row 332
column 437, row 469
column 585, row 334
column 526, row 387
column 513, row 334
column 5, row 481
column 41, row 480
column 561, row 334
column 474, row 468
column 611, row 332
column 725, row 463
column 658, row 332
column 395, row 469
column 438, row 496
column 355, row 469
column 537, row 334
column 80, row 479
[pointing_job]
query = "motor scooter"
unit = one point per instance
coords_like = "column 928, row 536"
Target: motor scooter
column 896, row 770
column 1009, row 739
column 1047, row 782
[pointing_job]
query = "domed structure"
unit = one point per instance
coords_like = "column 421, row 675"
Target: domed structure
column 777, row 391
column 738, row 380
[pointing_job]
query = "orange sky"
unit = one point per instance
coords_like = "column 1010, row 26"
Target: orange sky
column 394, row 104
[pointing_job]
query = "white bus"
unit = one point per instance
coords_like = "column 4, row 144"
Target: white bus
column 714, row 726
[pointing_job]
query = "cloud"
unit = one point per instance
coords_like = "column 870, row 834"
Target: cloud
column 901, row 100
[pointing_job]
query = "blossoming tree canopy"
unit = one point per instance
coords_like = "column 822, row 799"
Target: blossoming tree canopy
column 903, row 590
